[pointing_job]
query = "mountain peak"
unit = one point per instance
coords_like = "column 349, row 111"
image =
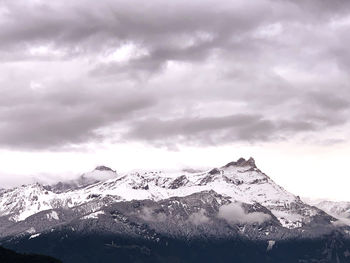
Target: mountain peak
column 242, row 162
column 104, row 168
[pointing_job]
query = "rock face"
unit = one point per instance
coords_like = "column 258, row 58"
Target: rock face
column 104, row 168
column 234, row 202
column 242, row 162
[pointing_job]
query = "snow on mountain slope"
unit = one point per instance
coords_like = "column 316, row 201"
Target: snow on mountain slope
column 26, row 200
column 240, row 181
column 339, row 210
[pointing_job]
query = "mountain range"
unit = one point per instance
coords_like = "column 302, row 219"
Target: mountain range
column 233, row 213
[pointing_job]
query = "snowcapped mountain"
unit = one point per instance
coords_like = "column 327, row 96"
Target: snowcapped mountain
column 234, row 201
column 241, row 181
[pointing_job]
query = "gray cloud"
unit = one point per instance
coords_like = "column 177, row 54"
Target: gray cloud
column 197, row 72
column 330, row 101
column 53, row 119
column 217, row 130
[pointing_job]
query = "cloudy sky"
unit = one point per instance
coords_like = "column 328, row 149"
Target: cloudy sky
column 154, row 84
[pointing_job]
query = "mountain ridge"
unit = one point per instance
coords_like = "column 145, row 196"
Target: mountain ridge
column 236, row 202
column 240, row 180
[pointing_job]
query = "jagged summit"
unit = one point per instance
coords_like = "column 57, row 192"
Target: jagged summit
column 242, row 162
column 104, row 168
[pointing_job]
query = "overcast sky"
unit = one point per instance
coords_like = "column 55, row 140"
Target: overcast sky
column 154, row 84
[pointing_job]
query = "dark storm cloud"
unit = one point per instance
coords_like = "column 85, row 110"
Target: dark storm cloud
column 200, row 72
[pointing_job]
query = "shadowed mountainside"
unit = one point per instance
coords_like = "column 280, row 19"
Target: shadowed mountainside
column 10, row 256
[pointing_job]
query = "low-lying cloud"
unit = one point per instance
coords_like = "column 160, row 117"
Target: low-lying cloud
column 199, row 218
column 233, row 213
column 148, row 214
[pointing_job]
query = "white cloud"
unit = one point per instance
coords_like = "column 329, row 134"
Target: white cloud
column 234, row 213
column 147, row 214
column 199, row 217
column 125, row 53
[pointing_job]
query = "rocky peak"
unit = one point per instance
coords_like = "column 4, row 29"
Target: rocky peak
column 104, row 168
column 242, row 162
column 214, row 171
column 251, row 162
